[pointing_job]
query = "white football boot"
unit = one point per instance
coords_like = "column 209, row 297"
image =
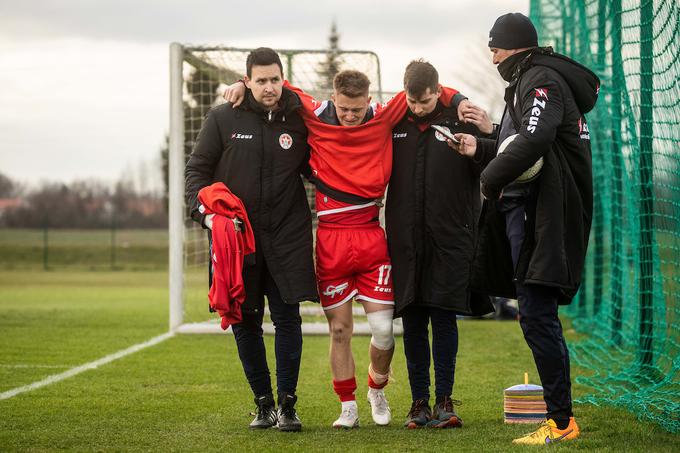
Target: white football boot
column 380, row 408
column 349, row 418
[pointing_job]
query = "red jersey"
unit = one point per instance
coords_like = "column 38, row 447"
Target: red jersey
column 354, row 159
column 227, row 291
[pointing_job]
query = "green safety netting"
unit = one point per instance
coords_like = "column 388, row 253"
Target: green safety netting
column 629, row 303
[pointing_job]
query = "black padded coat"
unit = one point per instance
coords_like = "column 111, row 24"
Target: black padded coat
column 433, row 203
column 545, row 104
column 259, row 156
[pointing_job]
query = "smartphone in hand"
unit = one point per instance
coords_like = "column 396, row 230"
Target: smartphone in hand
column 445, row 132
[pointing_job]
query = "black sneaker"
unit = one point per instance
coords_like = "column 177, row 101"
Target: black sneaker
column 419, row 415
column 444, row 415
column 266, row 413
column 288, row 419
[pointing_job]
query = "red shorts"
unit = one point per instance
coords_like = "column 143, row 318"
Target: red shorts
column 353, row 261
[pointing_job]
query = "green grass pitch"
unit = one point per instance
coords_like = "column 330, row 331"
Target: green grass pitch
column 189, row 393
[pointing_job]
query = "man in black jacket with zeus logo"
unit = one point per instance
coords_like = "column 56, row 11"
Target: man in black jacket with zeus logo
column 534, row 235
column 431, row 212
column 258, row 151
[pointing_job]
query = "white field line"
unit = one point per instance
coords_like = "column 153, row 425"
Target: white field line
column 87, row 366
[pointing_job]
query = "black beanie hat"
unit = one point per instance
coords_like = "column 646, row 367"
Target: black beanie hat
column 513, row 31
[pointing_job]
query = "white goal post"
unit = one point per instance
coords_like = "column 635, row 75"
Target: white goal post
column 198, row 75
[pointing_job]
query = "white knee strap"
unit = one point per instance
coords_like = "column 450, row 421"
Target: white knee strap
column 380, row 323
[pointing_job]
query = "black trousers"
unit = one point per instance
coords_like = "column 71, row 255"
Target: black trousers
column 542, row 329
column 416, row 320
column 287, row 343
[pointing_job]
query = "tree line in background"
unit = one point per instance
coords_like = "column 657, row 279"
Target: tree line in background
column 80, row 204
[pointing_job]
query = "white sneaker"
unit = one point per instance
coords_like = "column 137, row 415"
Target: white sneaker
column 380, row 408
column 349, row 418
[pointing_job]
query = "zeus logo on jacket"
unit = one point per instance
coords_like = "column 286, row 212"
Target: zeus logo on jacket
column 537, row 109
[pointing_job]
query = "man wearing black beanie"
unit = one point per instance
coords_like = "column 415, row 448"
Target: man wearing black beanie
column 513, row 31
column 533, row 231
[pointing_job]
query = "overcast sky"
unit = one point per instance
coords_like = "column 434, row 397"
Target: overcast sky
column 84, row 84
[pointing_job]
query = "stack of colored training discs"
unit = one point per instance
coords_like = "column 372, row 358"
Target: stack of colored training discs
column 524, row 403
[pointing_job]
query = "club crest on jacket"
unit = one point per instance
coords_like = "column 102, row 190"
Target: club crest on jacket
column 286, row 141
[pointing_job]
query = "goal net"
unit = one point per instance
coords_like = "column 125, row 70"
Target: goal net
column 628, row 306
column 198, row 76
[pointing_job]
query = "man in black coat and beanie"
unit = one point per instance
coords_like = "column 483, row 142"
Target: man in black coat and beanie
column 533, row 234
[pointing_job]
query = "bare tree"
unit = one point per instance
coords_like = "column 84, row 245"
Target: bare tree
column 8, row 187
column 85, row 204
column 331, row 66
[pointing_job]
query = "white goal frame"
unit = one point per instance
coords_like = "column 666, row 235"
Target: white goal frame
column 176, row 204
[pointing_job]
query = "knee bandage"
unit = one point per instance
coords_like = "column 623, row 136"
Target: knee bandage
column 380, row 323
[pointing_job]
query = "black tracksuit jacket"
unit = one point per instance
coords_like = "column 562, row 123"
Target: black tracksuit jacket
column 260, row 158
column 545, row 104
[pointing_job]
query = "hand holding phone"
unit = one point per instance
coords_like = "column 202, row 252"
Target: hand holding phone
column 445, row 132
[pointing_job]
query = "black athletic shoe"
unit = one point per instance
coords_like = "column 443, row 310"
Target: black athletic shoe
column 266, row 413
column 419, row 415
column 288, row 419
column 444, row 415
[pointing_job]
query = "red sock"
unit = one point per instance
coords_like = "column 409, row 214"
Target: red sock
column 345, row 389
column 373, row 385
